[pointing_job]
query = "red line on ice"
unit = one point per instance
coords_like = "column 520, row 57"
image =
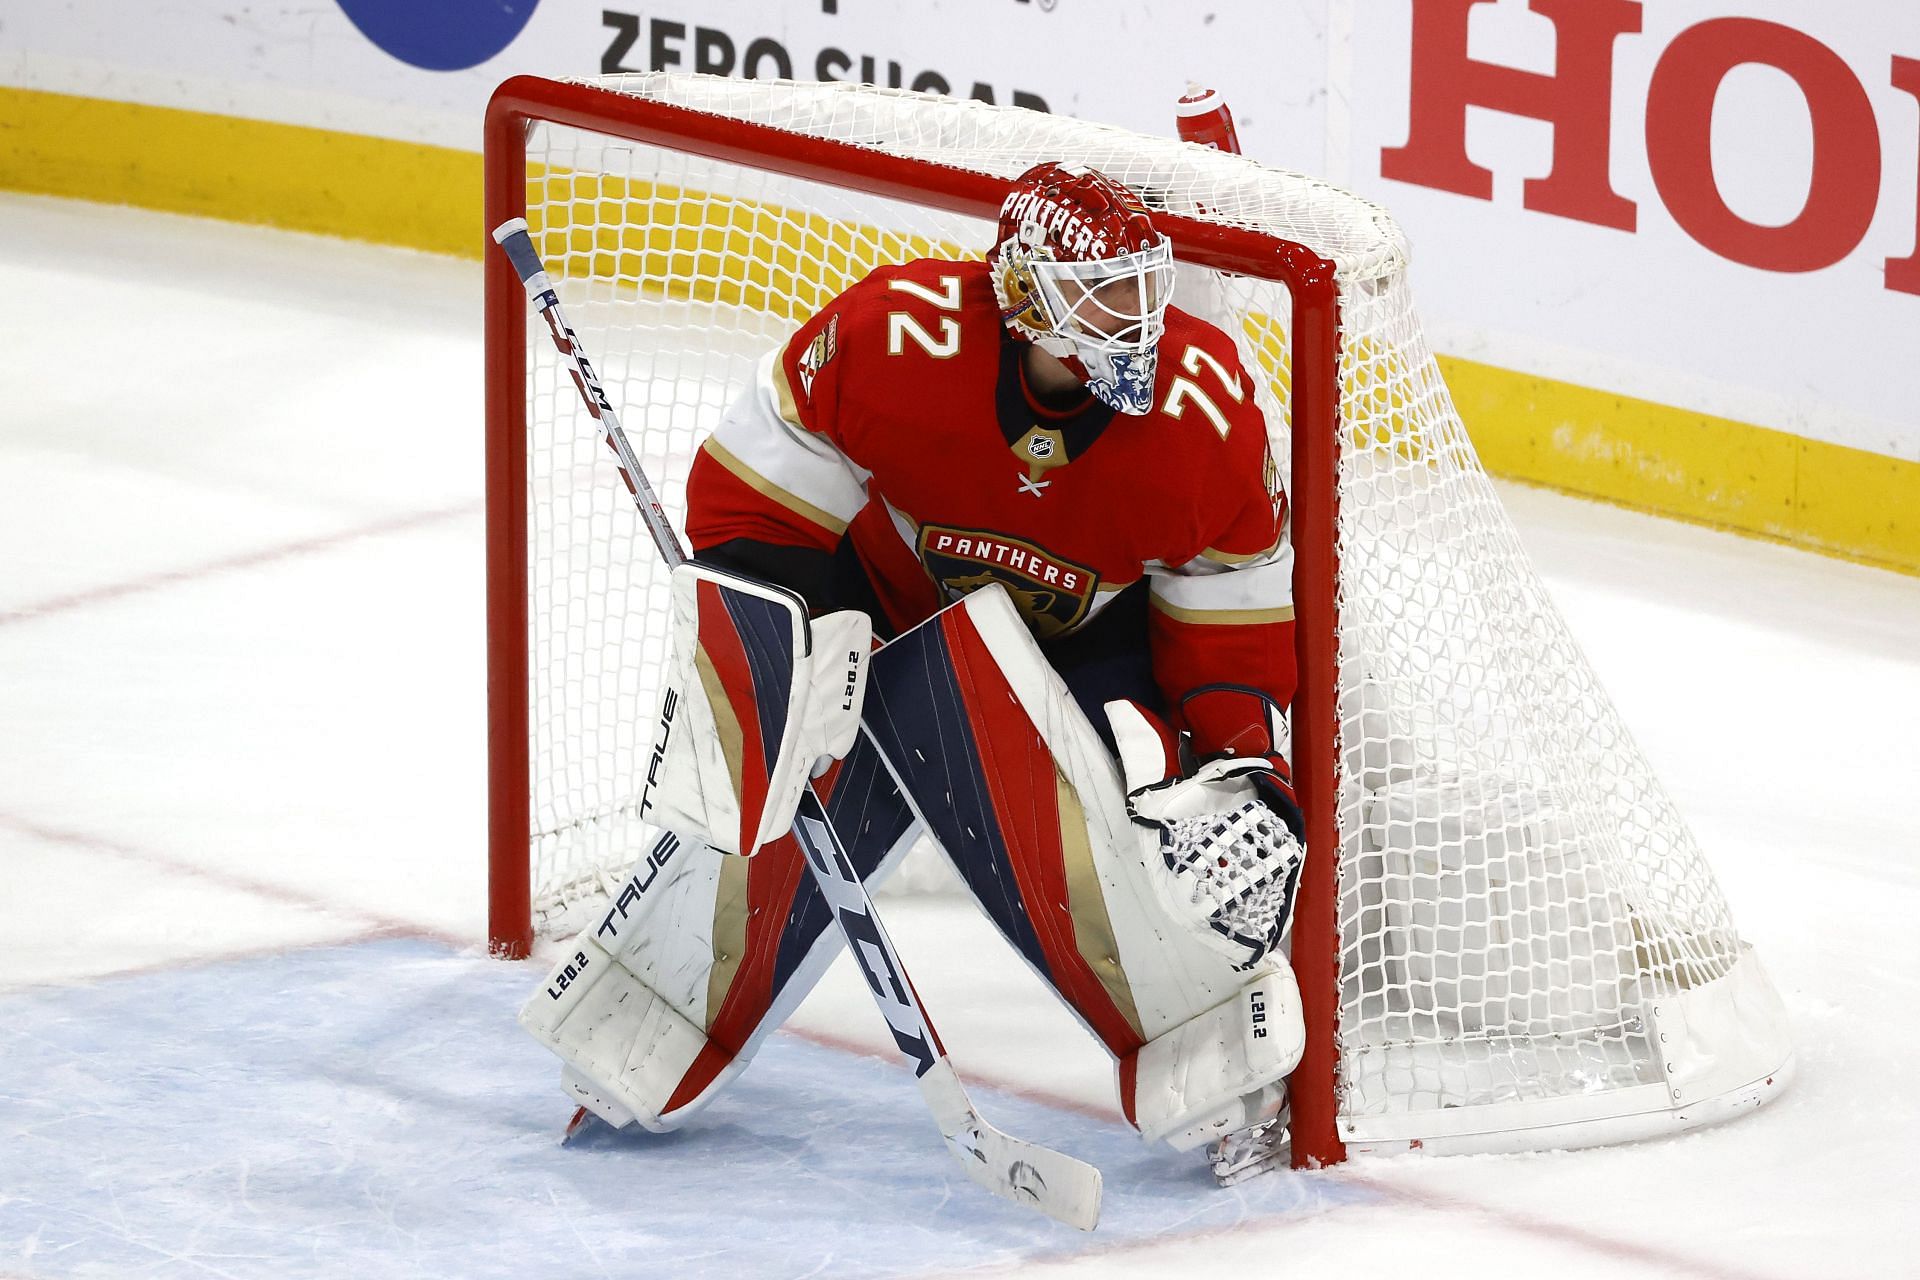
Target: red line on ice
column 381, row 925
column 244, row 560
column 1661, row 1261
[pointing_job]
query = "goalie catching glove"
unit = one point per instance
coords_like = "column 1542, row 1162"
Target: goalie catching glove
column 760, row 699
column 1221, row 841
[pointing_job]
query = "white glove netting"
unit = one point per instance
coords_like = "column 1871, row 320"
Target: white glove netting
column 1239, row 868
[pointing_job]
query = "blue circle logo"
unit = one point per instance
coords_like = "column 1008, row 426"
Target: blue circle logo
column 440, row 35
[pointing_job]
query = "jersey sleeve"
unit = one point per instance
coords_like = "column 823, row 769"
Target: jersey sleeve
column 1225, row 617
column 776, row 469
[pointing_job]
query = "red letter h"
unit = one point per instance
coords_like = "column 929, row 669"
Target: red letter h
column 1576, row 100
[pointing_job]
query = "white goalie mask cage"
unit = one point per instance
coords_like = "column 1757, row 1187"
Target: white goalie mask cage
column 1109, row 314
column 1081, row 272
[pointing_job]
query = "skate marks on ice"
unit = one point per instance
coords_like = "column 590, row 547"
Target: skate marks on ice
column 374, row 1110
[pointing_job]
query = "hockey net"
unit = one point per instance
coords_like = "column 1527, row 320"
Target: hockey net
column 1508, row 937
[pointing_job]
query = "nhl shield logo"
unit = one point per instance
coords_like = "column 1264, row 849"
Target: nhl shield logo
column 1039, row 451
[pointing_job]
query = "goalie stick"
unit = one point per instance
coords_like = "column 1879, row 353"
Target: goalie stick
column 1057, row 1185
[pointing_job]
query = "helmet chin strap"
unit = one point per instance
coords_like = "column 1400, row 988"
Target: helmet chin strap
column 1059, row 348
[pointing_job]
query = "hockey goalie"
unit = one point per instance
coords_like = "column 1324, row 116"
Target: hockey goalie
column 1046, row 495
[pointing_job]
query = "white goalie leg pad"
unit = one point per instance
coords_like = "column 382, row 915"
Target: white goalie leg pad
column 593, row 1097
column 759, row 699
column 624, row 1045
column 1224, row 1070
column 1202, row 1040
column 634, row 1009
column 1145, row 968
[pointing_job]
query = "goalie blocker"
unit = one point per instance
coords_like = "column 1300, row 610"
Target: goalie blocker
column 670, row 995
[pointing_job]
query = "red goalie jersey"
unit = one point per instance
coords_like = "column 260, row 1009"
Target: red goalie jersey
column 899, row 419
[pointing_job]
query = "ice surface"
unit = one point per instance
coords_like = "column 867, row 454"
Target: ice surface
column 245, row 1029
column 373, row 1110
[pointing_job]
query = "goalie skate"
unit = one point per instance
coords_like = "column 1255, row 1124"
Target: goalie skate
column 1250, row 1152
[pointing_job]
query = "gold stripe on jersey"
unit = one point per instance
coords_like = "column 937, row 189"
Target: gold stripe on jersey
column 783, row 399
column 1233, row 557
column 1093, row 934
column 1223, row 617
column 768, row 489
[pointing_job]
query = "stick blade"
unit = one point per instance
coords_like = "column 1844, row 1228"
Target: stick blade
column 1065, row 1189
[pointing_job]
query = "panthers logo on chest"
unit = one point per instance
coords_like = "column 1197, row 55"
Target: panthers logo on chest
column 1052, row 594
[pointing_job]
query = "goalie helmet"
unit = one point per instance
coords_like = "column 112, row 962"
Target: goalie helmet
column 1080, row 272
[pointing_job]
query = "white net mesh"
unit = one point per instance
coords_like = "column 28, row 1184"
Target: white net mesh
column 1515, row 887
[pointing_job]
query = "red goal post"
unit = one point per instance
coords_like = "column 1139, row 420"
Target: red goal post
column 1501, row 920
